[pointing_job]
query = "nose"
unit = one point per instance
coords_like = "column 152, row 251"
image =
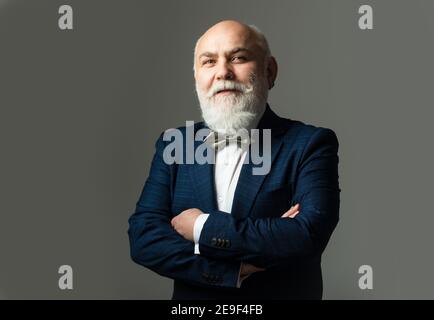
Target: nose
column 224, row 72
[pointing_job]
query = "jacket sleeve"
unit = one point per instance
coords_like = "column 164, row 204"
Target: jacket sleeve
column 268, row 242
column 156, row 245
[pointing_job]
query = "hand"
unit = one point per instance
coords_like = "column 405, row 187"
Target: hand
column 183, row 223
column 292, row 212
column 248, row 269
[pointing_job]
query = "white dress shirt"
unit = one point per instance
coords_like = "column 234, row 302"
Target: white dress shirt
column 227, row 168
column 228, row 163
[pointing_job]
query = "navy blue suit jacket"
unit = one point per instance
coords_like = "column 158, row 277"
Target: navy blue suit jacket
column 304, row 170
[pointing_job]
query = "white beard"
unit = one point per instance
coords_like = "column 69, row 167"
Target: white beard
column 230, row 113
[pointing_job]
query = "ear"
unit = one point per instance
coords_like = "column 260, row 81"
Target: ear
column 271, row 72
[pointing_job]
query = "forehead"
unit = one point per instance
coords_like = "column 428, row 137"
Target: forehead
column 225, row 39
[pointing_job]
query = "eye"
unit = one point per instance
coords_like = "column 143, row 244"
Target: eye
column 208, row 62
column 239, row 59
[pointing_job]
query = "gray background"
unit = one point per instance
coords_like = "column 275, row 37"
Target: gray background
column 81, row 110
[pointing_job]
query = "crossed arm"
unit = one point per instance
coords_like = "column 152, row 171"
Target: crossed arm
column 165, row 245
column 184, row 225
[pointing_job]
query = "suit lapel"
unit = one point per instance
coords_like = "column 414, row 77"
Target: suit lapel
column 248, row 184
column 203, row 182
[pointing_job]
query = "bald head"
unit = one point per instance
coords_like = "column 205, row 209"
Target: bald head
column 235, row 32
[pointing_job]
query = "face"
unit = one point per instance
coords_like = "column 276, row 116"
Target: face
column 230, row 74
column 227, row 53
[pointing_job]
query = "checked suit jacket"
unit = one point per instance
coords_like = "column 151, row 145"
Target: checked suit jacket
column 304, row 170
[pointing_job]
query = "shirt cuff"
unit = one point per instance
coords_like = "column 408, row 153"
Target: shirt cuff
column 197, row 229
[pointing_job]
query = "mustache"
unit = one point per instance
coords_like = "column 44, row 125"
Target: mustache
column 231, row 85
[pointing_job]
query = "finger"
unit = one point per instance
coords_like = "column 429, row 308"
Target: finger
column 291, row 211
column 293, row 215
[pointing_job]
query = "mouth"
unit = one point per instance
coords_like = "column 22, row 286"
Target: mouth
column 226, row 92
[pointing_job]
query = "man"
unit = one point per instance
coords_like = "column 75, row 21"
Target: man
column 218, row 230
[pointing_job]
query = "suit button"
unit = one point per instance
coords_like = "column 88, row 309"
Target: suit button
column 213, row 241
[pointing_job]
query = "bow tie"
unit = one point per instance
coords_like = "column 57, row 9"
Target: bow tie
column 219, row 140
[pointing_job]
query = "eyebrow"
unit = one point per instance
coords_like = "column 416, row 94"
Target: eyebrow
column 230, row 52
column 236, row 50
